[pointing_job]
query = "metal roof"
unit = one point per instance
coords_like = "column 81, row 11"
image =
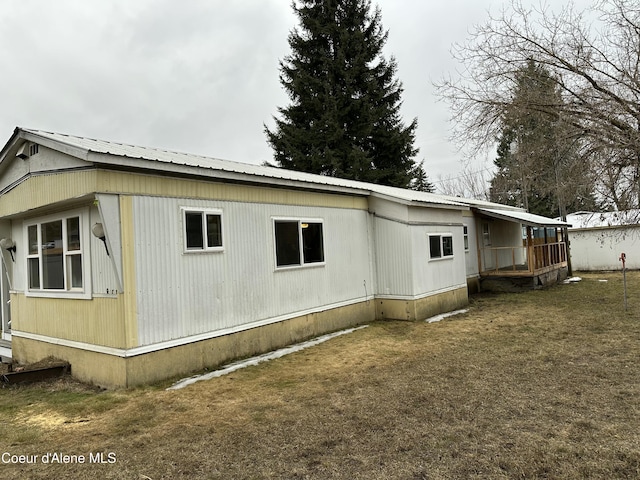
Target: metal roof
column 121, row 154
column 523, row 217
column 591, row 220
column 158, row 159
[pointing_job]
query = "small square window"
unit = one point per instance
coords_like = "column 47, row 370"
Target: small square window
column 202, row 230
column 440, row 246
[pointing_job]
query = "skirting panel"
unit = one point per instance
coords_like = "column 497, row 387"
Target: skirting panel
column 422, row 308
column 113, row 371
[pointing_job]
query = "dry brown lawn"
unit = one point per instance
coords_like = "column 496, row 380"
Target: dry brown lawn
column 544, row 384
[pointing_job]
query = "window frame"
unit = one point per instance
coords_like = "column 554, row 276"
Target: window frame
column 465, row 237
column 300, row 222
column 441, row 245
column 204, row 212
column 84, row 252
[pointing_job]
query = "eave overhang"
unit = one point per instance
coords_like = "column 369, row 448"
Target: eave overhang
column 522, row 217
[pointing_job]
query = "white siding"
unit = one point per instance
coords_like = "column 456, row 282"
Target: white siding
column 434, row 275
column 600, row 249
column 103, row 277
column 19, row 279
column 393, row 256
column 404, row 268
column 471, row 256
column 182, row 294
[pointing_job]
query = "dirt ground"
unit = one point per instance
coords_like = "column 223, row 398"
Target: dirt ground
column 543, row 384
column 45, row 363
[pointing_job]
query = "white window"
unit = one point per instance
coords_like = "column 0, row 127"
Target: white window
column 440, row 246
column 57, row 260
column 466, row 237
column 202, row 230
column 298, row 242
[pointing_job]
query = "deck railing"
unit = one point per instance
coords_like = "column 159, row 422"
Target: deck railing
column 522, row 260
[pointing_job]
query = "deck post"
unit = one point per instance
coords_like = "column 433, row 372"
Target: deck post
column 530, row 250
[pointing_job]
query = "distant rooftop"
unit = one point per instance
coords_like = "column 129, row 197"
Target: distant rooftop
column 603, row 219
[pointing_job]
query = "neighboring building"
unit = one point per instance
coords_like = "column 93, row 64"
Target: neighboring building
column 136, row 264
column 599, row 239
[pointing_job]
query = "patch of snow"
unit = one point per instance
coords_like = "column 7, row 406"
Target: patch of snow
column 232, row 367
column 572, row 280
column 603, row 281
column 603, row 219
column 442, row 316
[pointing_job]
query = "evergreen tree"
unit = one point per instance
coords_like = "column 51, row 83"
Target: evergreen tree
column 538, row 163
column 420, row 181
column 344, row 118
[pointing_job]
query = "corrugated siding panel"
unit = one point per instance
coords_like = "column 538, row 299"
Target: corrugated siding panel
column 103, row 277
column 186, row 294
column 434, row 275
column 471, row 257
column 182, row 188
column 393, row 247
column 45, row 190
column 97, row 321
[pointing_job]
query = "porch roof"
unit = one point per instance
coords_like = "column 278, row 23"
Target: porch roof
column 523, row 217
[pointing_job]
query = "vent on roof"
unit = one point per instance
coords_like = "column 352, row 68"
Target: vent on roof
column 26, row 150
column 23, row 151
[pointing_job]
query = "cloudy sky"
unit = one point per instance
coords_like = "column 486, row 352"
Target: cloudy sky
column 201, row 76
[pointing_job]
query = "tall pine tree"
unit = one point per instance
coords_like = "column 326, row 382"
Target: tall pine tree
column 344, row 118
column 539, row 167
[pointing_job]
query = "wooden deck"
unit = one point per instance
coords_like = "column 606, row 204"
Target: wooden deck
column 522, row 261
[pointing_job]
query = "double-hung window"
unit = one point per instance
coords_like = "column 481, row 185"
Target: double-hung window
column 202, row 230
column 440, row 246
column 56, row 255
column 298, row 242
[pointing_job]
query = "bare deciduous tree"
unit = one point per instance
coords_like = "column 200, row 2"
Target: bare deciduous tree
column 468, row 184
column 594, row 57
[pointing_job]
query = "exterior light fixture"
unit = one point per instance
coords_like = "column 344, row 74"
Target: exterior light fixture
column 9, row 244
column 98, row 231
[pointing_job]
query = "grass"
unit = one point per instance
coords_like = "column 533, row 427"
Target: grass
column 544, row 384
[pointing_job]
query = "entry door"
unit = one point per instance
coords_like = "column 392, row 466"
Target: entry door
column 488, row 255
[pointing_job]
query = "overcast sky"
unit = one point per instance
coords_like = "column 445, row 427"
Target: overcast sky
column 201, row 76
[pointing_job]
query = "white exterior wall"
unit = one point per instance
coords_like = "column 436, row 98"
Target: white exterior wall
column 441, row 274
column 103, row 276
column 45, row 160
column 394, row 262
column 471, row 255
column 182, row 294
column 19, row 277
column 600, row 248
column 402, row 251
column 502, row 234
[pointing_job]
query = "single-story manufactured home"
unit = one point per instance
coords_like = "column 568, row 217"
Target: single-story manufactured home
column 598, row 239
column 136, row 264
